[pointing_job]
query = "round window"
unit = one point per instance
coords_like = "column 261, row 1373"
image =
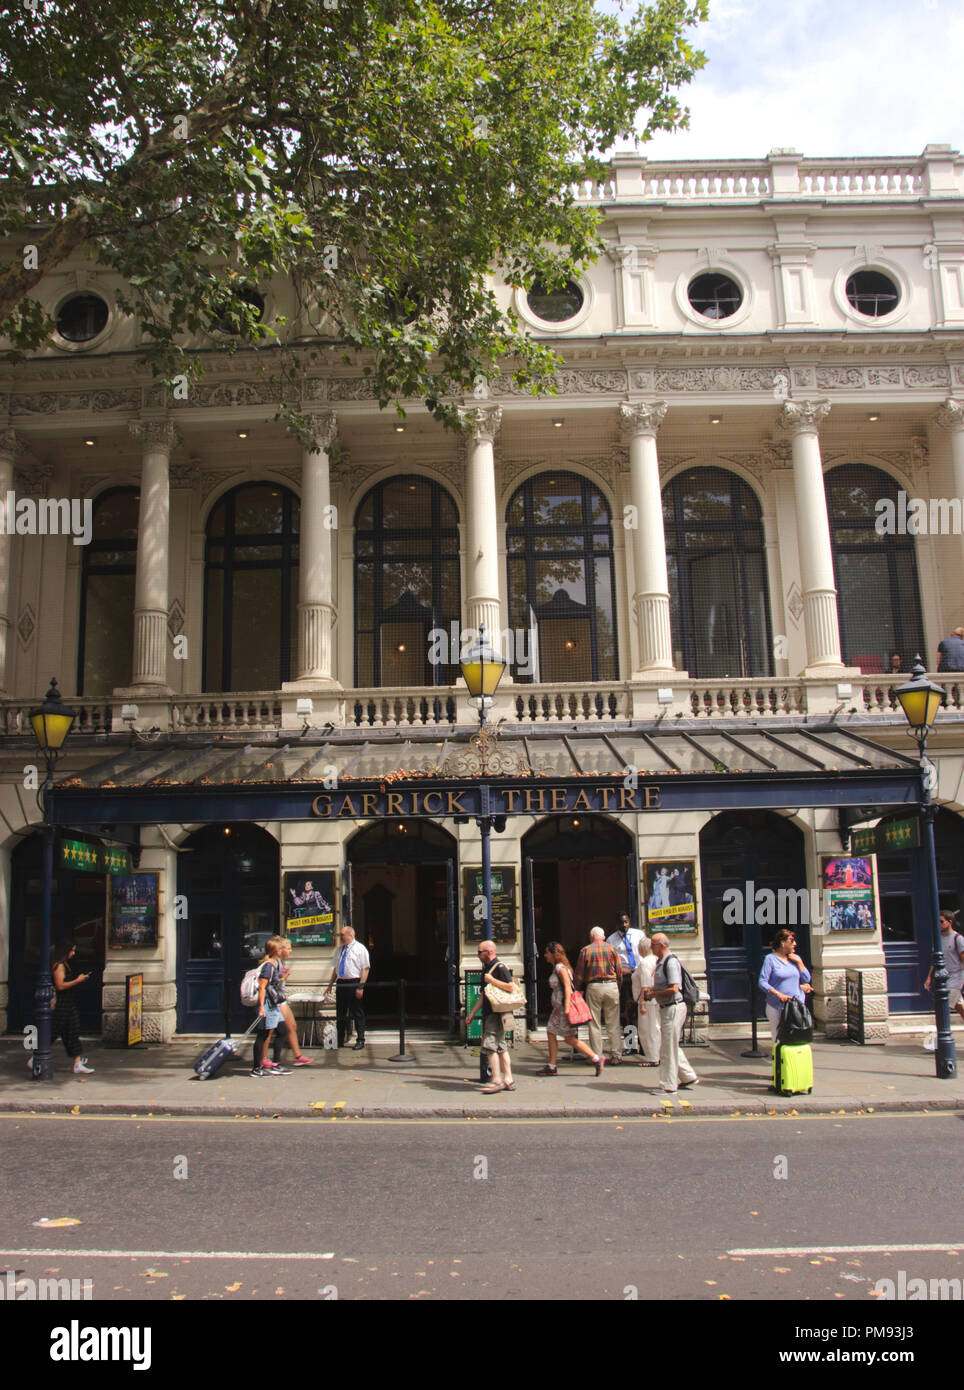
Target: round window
column 714, row 296
column 555, row 306
column 872, row 293
column 81, row 318
column 247, row 295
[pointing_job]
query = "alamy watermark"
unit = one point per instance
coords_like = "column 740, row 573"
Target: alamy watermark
column 47, row 516
column 449, row 646
column 918, row 516
column 778, row 907
column 20, row 1288
column 918, row 1290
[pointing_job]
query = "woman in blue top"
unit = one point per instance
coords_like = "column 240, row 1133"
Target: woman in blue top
column 784, row 976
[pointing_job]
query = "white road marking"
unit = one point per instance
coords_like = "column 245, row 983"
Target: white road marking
column 174, row 1254
column 851, row 1249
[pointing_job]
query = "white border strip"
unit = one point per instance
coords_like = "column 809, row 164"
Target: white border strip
column 851, row 1249
column 172, row 1254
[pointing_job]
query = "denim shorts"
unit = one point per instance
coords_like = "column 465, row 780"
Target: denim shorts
column 272, row 1017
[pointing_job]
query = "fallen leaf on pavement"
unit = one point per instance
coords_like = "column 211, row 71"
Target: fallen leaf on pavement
column 46, row 1222
column 232, row 1288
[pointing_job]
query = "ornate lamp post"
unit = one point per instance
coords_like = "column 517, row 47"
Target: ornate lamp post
column 920, row 700
column 52, row 722
column 483, row 669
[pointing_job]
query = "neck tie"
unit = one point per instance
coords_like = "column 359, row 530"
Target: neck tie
column 341, row 963
column 629, row 951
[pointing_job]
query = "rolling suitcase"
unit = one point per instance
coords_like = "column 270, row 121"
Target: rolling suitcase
column 792, row 1069
column 219, row 1054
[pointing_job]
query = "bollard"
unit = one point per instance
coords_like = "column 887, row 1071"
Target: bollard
column 754, row 1049
column 401, row 1055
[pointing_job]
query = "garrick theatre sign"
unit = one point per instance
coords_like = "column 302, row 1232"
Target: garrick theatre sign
column 502, row 801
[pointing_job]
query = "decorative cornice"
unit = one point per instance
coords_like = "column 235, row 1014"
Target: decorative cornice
column 642, row 417
column 803, row 417
column 951, row 415
column 481, row 422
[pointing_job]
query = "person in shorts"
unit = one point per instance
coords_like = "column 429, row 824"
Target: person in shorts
column 952, row 944
column 493, row 1024
column 270, row 994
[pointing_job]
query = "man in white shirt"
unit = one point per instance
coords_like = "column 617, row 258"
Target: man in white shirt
column 625, row 942
column 351, row 969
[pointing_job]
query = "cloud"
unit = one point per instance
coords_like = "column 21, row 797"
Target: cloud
column 862, row 77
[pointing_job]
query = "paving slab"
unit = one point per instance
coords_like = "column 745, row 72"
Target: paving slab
column 441, row 1081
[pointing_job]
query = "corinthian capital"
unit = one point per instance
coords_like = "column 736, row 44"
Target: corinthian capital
column 155, row 434
column 642, row 417
column 951, row 415
column 481, row 421
column 803, row 417
column 324, row 428
column 12, row 442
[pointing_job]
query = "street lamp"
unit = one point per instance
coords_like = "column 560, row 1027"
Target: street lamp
column 482, row 669
column 920, row 699
column 52, row 722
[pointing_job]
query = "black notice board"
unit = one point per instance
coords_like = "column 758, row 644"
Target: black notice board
column 503, row 904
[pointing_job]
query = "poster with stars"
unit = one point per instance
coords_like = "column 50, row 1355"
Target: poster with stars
column 132, row 909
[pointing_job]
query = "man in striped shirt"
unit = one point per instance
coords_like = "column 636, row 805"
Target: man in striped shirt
column 598, row 974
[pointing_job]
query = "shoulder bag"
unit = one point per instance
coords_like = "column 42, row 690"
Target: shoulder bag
column 504, row 1001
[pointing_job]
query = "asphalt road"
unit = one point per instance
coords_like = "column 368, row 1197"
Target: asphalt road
column 761, row 1208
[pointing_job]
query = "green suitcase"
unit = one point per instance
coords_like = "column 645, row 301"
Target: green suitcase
column 792, row 1069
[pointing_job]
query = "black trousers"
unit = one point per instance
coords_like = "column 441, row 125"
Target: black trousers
column 348, row 1007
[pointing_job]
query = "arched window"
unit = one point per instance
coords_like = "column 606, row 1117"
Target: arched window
column 106, row 646
column 719, row 606
column 561, row 581
column 878, row 599
column 406, row 583
column 251, row 588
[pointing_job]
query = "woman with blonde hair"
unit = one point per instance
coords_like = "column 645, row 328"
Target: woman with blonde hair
column 270, row 998
column 287, row 1017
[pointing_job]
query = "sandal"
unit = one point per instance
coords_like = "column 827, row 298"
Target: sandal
column 491, row 1090
column 508, row 1086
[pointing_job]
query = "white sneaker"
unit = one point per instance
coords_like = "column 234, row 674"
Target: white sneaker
column 82, row 1066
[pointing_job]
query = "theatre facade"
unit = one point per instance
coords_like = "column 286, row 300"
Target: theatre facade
column 701, row 558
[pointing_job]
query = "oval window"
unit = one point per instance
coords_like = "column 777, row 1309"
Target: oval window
column 82, row 317
column 555, row 306
column 247, row 295
column 714, row 296
column 872, row 293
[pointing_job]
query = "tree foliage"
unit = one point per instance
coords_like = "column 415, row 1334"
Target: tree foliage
column 381, row 155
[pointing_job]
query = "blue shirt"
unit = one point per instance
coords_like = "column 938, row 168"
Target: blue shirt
column 784, row 976
column 952, row 654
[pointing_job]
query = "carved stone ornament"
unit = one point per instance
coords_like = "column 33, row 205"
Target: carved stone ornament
column 324, row 427
column 481, row 421
column 803, row 417
column 33, row 478
column 642, row 417
column 485, row 756
column 951, row 415
column 12, row 442
column 155, row 433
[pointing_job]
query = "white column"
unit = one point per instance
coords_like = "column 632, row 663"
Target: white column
column 641, row 421
column 9, row 443
column 803, row 419
column 316, row 612
column 951, row 418
column 481, row 526
column 151, row 584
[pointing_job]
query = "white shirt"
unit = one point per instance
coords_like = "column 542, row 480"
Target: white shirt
column 356, row 960
column 618, row 943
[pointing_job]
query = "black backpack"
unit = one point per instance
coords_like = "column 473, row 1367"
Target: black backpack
column 688, row 987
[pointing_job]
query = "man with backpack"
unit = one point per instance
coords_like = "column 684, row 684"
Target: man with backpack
column 670, row 989
column 952, row 944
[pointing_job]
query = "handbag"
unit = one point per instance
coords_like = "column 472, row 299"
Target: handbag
column 578, row 1010
column 504, row 1001
column 796, row 1025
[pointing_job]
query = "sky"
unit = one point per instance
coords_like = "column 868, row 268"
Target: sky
column 825, row 77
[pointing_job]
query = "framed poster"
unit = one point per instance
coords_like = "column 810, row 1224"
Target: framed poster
column 132, row 909
column 309, row 907
column 850, row 893
column 503, row 904
column 669, row 887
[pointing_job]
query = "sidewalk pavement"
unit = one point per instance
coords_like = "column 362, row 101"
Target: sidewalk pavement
column 442, row 1081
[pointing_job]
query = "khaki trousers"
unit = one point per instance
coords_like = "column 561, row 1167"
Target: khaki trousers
column 602, row 997
column 673, row 1066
